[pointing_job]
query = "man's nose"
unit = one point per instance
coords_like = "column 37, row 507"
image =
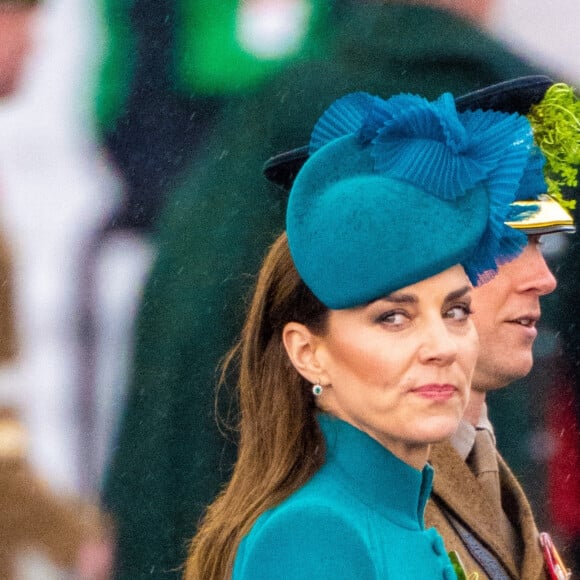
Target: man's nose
column 537, row 276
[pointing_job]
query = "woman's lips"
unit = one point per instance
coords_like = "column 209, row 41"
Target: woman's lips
column 436, row 392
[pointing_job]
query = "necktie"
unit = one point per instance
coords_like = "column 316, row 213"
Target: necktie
column 483, row 463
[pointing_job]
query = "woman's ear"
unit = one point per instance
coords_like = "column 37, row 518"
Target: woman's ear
column 301, row 346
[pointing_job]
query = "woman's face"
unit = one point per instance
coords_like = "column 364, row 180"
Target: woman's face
column 400, row 368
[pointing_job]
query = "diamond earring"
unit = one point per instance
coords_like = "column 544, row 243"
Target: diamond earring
column 317, row 390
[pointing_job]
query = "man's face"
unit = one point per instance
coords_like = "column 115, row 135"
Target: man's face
column 506, row 311
column 15, row 42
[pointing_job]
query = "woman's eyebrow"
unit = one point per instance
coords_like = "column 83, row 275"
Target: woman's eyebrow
column 457, row 293
column 400, row 298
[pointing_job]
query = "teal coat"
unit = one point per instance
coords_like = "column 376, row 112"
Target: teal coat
column 359, row 518
column 170, row 458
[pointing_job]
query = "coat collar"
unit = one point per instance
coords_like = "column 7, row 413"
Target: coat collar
column 381, row 480
column 455, row 486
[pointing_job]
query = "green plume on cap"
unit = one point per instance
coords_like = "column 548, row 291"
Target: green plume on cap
column 555, row 121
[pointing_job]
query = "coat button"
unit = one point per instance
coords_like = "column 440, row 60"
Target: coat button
column 437, row 545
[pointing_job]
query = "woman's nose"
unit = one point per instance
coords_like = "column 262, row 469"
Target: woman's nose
column 438, row 346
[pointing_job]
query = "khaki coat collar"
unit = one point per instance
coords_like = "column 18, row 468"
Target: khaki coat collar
column 457, row 490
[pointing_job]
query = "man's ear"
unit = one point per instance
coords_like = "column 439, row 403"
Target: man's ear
column 302, row 347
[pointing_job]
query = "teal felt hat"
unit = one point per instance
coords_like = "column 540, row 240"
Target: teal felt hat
column 395, row 191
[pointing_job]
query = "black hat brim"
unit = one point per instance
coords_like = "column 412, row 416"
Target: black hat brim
column 512, row 96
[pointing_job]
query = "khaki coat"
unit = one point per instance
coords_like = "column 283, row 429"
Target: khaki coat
column 457, row 496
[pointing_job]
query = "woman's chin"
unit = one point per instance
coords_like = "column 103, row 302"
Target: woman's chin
column 437, row 429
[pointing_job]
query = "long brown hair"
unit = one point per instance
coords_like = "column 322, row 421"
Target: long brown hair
column 280, row 443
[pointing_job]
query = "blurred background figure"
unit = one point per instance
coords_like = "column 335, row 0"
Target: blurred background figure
column 56, row 189
column 43, row 533
column 15, row 23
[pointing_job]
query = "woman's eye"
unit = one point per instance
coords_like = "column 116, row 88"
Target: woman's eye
column 459, row 312
column 393, row 318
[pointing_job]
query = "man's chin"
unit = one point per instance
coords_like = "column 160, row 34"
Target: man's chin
column 500, row 377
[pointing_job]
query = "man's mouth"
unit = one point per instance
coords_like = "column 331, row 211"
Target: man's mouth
column 527, row 322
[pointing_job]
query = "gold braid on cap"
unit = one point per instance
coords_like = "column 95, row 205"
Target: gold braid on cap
column 555, row 121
